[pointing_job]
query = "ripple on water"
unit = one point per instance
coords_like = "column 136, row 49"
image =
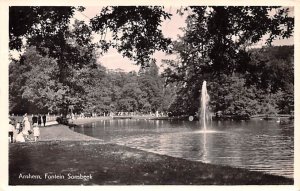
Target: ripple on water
column 257, row 146
column 208, row 131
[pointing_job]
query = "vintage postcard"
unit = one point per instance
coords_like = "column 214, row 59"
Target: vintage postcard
column 149, row 94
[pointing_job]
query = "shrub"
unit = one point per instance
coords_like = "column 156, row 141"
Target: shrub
column 62, row 120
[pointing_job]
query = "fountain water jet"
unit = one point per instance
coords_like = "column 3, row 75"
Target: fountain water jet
column 204, row 114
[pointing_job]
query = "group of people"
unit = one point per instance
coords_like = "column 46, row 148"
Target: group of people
column 20, row 130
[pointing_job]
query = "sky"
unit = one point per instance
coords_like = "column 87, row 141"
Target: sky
column 170, row 28
column 114, row 60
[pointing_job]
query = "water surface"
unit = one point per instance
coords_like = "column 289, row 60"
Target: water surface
column 255, row 145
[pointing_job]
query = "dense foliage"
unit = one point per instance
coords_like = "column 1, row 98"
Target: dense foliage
column 47, row 30
column 58, row 71
column 216, row 47
column 117, row 91
column 34, row 88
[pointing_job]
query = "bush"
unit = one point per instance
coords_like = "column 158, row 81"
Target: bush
column 62, row 120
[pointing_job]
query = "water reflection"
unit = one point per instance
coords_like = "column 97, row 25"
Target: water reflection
column 204, row 156
column 255, row 145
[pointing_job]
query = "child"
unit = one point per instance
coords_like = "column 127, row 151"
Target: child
column 36, row 132
column 20, row 137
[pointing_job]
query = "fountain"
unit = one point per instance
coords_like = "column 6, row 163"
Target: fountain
column 204, row 114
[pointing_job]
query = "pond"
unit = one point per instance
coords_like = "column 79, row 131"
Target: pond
column 256, row 145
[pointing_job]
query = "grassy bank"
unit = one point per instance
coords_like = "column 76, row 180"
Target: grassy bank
column 62, row 133
column 64, row 157
column 110, row 164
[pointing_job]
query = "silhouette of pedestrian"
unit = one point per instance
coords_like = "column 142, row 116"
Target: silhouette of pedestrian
column 11, row 131
column 34, row 119
column 44, row 119
column 39, row 119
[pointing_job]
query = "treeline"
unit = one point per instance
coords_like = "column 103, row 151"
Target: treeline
column 99, row 90
column 268, row 89
column 118, row 91
column 265, row 85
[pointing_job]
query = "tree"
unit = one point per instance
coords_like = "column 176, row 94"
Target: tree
column 62, row 81
column 233, row 97
column 98, row 93
column 17, row 82
column 271, row 70
column 135, row 31
column 271, row 67
column 28, row 21
column 31, row 82
column 151, row 85
column 169, row 93
column 215, row 48
column 136, row 34
column 227, row 32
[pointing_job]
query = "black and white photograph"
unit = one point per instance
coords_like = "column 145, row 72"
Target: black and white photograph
column 102, row 95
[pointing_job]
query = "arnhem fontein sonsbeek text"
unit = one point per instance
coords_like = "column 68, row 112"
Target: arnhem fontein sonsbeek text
column 48, row 176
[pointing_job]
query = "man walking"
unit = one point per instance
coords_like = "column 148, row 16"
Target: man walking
column 44, row 120
column 39, row 120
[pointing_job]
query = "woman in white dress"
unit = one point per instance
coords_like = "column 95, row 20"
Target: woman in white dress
column 26, row 128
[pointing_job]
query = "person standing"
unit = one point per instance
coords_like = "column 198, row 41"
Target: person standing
column 44, row 120
column 18, row 127
column 11, row 131
column 26, row 129
column 25, row 118
column 39, row 120
column 34, row 119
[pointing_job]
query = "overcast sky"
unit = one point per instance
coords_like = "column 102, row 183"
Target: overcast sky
column 171, row 28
